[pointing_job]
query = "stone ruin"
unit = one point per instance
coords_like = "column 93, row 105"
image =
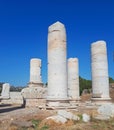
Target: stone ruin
column 57, row 66
column 5, row 94
column 8, row 97
column 99, row 64
column 35, row 93
column 63, row 76
column 73, row 79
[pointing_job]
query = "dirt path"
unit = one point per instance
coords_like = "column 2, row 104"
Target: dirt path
column 20, row 116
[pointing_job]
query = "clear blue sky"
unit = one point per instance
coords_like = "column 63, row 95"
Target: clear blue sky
column 24, row 28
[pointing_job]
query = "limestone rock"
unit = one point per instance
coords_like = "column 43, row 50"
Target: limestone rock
column 63, row 116
column 15, row 98
column 68, row 115
column 35, row 102
column 86, row 117
column 5, row 94
column 107, row 110
column 34, row 92
column 102, row 117
column 57, row 119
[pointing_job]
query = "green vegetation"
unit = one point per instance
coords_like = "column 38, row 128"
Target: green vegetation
column 102, row 125
column 80, row 115
column 85, row 84
column 23, row 128
column 94, row 124
column 111, row 80
column 36, row 124
column 45, row 127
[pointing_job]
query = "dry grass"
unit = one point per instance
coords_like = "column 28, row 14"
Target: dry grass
column 13, row 127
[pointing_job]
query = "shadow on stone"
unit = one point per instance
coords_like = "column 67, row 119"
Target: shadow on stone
column 5, row 105
column 9, row 108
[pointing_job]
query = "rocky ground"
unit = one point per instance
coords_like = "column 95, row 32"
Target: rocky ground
column 19, row 118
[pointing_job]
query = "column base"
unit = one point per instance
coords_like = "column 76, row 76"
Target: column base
column 74, row 102
column 35, row 102
column 32, row 84
column 57, row 102
column 3, row 97
column 34, row 92
column 101, row 101
column 75, row 99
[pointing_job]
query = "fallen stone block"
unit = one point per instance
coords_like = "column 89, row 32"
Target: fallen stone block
column 86, row 117
column 68, row 115
column 57, row 119
column 106, row 109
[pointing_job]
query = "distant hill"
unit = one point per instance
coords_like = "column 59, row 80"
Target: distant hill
column 84, row 84
column 87, row 84
column 18, row 89
column 111, row 80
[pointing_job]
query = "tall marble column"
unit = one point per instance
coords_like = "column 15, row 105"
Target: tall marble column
column 99, row 64
column 57, row 67
column 73, row 79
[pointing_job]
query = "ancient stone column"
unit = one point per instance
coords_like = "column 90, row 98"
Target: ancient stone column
column 57, row 68
column 99, row 64
column 73, row 79
column 5, row 94
column 35, row 71
column 34, row 94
